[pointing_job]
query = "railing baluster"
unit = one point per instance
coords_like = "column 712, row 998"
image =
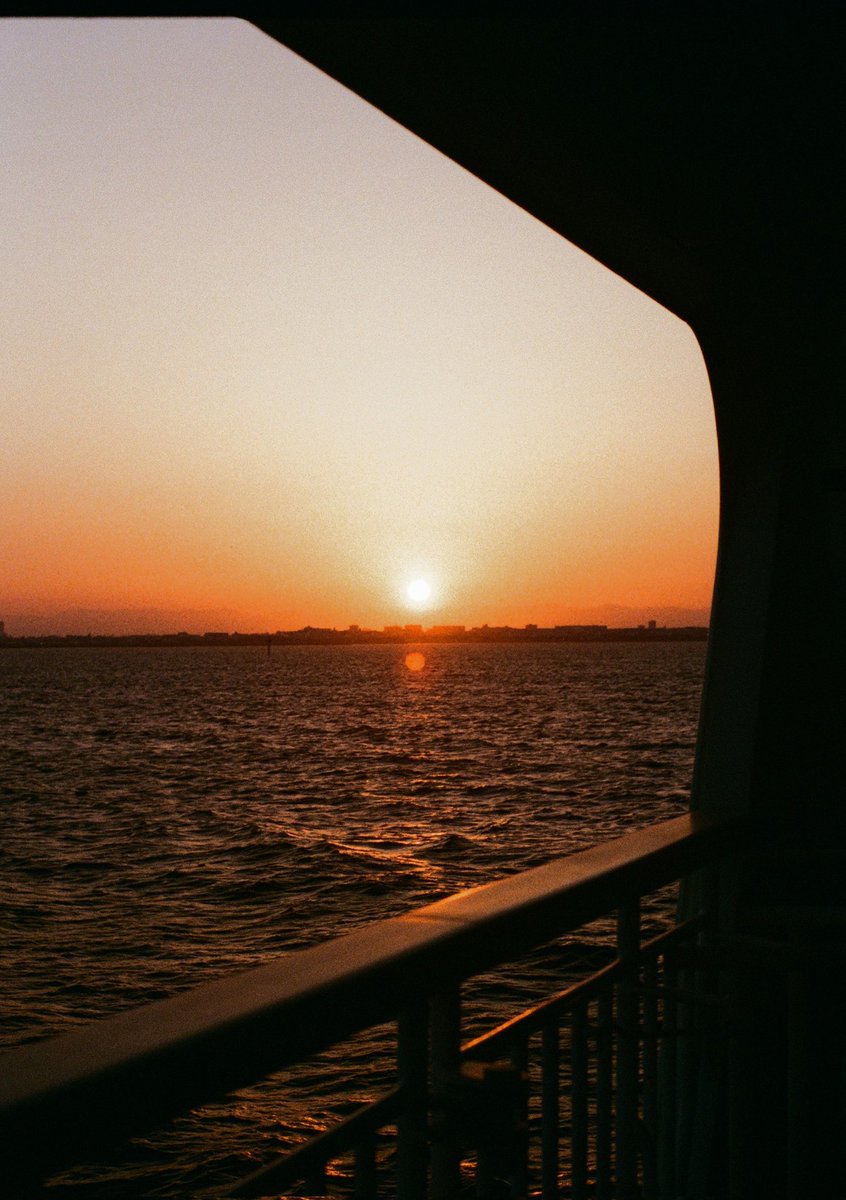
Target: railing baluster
column 365, row 1176
column 412, row 1125
column 687, row 1068
column 668, row 1083
column 520, row 1117
column 579, row 1102
column 315, row 1184
column 550, row 1110
column 650, row 1080
column 604, row 1091
column 628, row 948
column 445, row 1049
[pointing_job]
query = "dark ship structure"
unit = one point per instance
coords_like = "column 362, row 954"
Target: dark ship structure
column 696, row 151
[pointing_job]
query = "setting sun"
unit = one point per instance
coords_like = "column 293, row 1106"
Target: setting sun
column 419, row 591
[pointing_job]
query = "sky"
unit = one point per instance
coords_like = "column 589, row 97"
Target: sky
column 268, row 359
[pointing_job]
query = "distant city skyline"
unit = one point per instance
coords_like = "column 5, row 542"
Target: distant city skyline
column 271, row 360
column 139, row 622
column 355, row 635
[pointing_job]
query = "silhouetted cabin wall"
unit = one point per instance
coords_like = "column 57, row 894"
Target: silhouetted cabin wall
column 772, row 733
column 698, row 152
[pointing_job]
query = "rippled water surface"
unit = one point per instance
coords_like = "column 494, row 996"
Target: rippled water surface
column 170, row 815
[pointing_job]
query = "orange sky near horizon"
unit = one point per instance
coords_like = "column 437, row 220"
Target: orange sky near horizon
column 269, row 358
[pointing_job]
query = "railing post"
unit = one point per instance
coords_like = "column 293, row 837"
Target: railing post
column 668, row 1079
column 579, row 1101
column 551, row 1109
column 315, row 1183
column 520, row 1118
column 412, row 1125
column 687, row 1068
column 604, row 1090
column 628, row 949
column 365, row 1169
column 445, row 1050
column 650, row 1080
column 495, row 1112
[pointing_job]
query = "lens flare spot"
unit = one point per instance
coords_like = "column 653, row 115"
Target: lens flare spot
column 415, row 661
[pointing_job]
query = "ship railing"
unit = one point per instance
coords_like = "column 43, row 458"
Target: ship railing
column 599, row 1090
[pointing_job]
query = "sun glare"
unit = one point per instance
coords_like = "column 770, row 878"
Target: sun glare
column 415, row 661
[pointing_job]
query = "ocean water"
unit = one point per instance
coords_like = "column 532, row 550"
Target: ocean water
column 171, row 815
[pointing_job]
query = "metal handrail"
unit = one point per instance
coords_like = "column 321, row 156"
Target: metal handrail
column 125, row 1074
column 532, row 1020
